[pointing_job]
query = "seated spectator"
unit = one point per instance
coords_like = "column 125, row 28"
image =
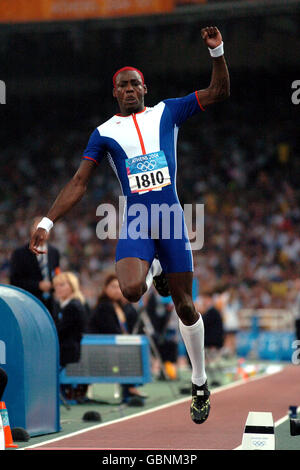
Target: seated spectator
column 131, row 314
column 109, row 318
column 70, row 324
column 71, row 317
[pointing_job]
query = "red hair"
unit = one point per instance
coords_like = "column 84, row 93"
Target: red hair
column 123, row 69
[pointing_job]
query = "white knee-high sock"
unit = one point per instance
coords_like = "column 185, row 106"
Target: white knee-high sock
column 193, row 338
column 154, row 270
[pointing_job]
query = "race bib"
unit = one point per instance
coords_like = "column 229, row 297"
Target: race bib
column 148, row 172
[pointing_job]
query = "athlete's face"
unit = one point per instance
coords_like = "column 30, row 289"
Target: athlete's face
column 129, row 92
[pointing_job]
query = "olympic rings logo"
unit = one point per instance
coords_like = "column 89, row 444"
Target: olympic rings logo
column 258, row 442
column 147, row 166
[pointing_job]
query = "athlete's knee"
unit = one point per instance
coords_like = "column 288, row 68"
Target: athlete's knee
column 133, row 291
column 186, row 311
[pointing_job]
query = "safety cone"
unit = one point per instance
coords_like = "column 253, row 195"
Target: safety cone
column 6, row 427
column 170, row 370
column 240, row 372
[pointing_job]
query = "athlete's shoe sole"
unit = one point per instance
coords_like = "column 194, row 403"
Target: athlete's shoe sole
column 200, row 406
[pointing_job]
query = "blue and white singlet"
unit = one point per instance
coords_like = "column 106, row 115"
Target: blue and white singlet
column 141, row 149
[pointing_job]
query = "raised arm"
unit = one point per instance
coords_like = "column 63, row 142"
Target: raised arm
column 219, row 87
column 67, row 198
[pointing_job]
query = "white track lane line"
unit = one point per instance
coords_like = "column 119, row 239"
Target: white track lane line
column 152, row 410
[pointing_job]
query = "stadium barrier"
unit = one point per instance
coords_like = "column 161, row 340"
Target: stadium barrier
column 31, row 362
column 266, row 334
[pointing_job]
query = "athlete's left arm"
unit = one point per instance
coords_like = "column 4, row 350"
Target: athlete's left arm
column 219, row 87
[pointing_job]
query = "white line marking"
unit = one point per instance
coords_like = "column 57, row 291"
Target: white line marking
column 152, row 410
column 108, row 423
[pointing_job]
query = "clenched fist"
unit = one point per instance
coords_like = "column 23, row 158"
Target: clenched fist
column 211, row 36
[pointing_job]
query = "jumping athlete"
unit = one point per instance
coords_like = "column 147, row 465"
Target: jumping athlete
column 140, row 143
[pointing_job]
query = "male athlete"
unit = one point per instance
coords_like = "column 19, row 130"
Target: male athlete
column 140, row 143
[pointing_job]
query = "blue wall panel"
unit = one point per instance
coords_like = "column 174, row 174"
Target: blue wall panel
column 32, row 360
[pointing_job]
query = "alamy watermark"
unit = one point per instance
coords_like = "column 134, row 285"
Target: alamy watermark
column 2, row 92
column 296, row 354
column 154, row 221
column 296, row 94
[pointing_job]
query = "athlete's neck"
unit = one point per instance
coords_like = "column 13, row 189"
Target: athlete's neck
column 129, row 112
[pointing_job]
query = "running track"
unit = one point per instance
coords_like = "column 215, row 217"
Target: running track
column 170, row 427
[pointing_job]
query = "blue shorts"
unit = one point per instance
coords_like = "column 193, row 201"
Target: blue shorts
column 146, row 233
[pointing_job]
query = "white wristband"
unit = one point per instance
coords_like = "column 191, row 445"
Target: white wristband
column 217, row 51
column 46, row 224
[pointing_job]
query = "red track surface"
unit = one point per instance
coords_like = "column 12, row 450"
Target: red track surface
column 172, row 428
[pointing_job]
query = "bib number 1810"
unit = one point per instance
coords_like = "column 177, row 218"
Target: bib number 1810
column 149, row 179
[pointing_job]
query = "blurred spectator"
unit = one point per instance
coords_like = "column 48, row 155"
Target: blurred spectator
column 34, row 273
column 109, row 318
column 231, row 323
column 71, row 319
column 131, row 314
column 295, row 307
column 213, row 323
column 70, row 324
column 166, row 333
column 208, row 304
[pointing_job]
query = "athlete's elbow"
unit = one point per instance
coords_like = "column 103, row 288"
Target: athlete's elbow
column 220, row 92
column 223, row 96
column 225, row 93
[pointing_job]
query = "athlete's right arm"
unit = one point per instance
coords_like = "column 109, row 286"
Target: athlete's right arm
column 67, row 198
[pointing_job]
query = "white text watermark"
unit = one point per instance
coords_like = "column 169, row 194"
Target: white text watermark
column 155, row 221
column 2, row 92
column 296, row 354
column 296, row 94
column 2, row 352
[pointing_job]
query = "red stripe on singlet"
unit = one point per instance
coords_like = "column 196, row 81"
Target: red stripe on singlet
column 139, row 134
column 201, row 107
